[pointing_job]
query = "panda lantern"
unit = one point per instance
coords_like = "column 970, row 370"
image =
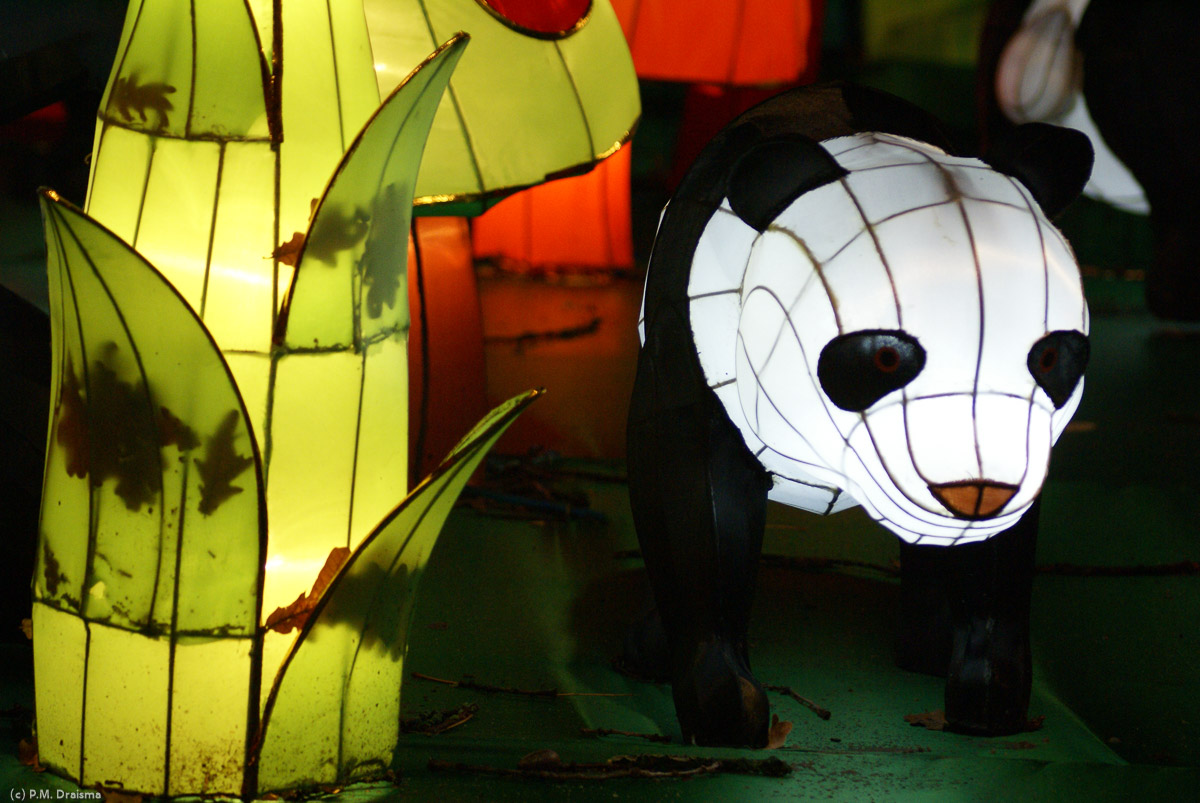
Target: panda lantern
column 838, row 310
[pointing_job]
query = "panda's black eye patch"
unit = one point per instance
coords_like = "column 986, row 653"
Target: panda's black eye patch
column 860, row 368
column 1057, row 362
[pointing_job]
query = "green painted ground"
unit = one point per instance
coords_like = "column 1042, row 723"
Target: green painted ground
column 536, row 605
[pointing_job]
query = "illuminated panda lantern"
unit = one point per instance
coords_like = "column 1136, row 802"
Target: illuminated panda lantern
column 840, row 311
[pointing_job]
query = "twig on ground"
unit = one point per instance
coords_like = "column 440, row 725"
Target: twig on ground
column 546, row 765
column 598, row 732
column 823, row 713
column 437, row 722
column 466, row 683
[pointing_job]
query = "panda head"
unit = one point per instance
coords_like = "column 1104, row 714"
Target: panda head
column 912, row 327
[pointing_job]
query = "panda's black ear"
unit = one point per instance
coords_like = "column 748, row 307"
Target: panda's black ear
column 773, row 173
column 1054, row 163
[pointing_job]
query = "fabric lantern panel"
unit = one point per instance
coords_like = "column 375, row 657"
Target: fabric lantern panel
column 743, row 43
column 447, row 374
column 190, row 442
column 582, row 222
column 494, row 135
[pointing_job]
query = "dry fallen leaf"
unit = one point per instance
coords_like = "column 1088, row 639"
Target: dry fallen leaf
column 293, row 617
column 27, row 754
column 539, row 759
column 777, row 735
column 930, row 720
column 118, row 796
column 289, row 252
column 27, row 628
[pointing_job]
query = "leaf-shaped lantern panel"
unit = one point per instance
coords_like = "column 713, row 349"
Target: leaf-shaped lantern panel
column 493, row 135
column 152, row 531
column 339, row 396
column 334, row 710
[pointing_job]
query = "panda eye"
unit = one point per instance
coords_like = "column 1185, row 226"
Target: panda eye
column 886, row 359
column 1057, row 362
column 858, row 369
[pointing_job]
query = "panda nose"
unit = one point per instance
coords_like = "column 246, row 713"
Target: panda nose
column 973, row 499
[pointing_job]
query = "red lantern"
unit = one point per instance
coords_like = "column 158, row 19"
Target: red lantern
column 541, row 16
column 575, row 223
column 745, row 42
column 445, row 341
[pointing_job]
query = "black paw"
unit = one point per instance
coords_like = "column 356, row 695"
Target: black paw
column 718, row 701
column 989, row 682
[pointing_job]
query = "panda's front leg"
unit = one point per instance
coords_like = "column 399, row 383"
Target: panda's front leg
column 699, row 504
column 981, row 592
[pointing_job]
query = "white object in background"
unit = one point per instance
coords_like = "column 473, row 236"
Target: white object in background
column 1040, row 79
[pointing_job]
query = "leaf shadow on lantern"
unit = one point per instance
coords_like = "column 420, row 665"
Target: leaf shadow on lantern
column 127, row 340
column 381, row 271
column 148, row 412
column 129, row 97
column 220, row 466
column 339, row 366
column 116, row 433
column 130, row 569
column 185, row 69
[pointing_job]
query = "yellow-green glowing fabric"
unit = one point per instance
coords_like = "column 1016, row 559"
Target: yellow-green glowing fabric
column 151, row 645
column 338, row 432
column 333, row 714
column 208, row 157
column 148, row 579
column 521, row 108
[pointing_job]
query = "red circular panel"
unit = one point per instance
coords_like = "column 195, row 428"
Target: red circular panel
column 541, row 16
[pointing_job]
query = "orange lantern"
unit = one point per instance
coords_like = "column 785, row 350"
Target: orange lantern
column 445, row 340
column 736, row 54
column 744, row 43
column 583, row 222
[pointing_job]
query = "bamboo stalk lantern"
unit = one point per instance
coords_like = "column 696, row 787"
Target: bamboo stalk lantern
column 224, row 576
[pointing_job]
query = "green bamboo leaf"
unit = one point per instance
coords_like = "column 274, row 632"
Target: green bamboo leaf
column 152, row 531
column 349, row 285
column 339, row 393
column 333, row 712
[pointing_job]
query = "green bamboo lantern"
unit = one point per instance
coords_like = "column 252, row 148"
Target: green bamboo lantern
column 224, row 580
